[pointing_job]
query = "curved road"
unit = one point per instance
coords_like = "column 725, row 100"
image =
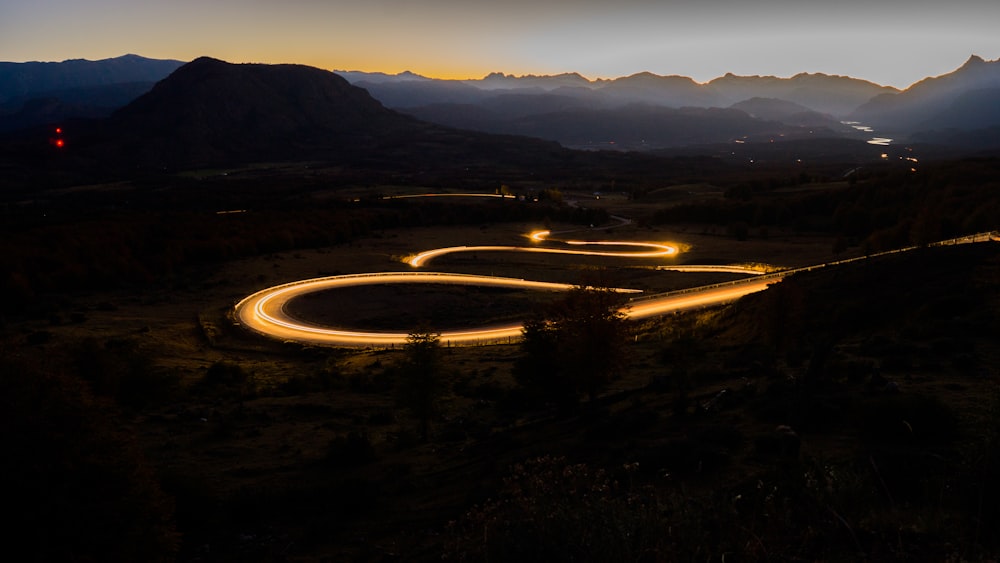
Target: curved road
column 265, row 313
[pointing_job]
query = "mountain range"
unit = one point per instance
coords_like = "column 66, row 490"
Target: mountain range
column 210, row 113
column 43, row 92
column 935, row 109
column 643, row 111
column 965, row 99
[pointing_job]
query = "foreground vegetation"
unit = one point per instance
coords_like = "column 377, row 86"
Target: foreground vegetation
column 843, row 414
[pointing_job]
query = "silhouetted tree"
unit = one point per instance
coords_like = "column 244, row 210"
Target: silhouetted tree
column 421, row 372
column 538, row 369
column 578, row 347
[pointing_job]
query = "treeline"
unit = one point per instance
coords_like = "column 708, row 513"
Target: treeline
column 882, row 209
column 122, row 247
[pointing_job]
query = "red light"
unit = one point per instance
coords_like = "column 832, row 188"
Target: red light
column 60, row 143
column 59, row 130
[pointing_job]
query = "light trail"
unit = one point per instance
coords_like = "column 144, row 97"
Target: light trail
column 696, row 298
column 409, row 196
column 264, row 311
column 658, row 250
column 729, row 269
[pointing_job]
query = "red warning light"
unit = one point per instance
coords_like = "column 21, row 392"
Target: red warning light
column 60, row 143
column 59, row 130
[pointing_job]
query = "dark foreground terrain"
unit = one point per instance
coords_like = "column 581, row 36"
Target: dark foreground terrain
column 848, row 413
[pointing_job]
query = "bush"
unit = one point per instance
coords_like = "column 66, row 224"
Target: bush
column 225, row 373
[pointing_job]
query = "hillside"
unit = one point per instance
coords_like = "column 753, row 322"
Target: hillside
column 965, row 99
column 877, row 376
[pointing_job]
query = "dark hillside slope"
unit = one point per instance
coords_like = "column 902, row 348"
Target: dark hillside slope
column 210, row 110
column 905, row 312
column 963, row 99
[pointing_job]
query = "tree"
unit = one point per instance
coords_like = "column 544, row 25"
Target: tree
column 421, row 370
column 537, row 370
column 577, row 347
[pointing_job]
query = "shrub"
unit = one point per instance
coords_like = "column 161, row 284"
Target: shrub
column 225, row 373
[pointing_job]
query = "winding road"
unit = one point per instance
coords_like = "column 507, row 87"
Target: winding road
column 265, row 311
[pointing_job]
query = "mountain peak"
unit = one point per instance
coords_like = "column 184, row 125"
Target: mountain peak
column 974, row 60
column 206, row 61
column 212, row 110
column 409, row 74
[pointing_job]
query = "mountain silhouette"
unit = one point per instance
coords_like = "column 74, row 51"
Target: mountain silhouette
column 790, row 113
column 631, row 112
column 967, row 98
column 213, row 111
column 37, row 79
column 830, row 94
column 833, row 95
column 34, row 93
column 669, row 91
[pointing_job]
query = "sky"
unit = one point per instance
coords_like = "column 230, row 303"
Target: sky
column 890, row 42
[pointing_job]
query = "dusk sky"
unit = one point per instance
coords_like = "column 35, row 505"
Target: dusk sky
column 891, row 42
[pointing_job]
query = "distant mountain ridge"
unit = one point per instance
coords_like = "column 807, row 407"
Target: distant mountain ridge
column 37, row 93
column 836, row 95
column 965, row 99
column 21, row 80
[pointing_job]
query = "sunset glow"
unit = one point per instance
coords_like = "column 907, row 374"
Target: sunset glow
column 446, row 39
